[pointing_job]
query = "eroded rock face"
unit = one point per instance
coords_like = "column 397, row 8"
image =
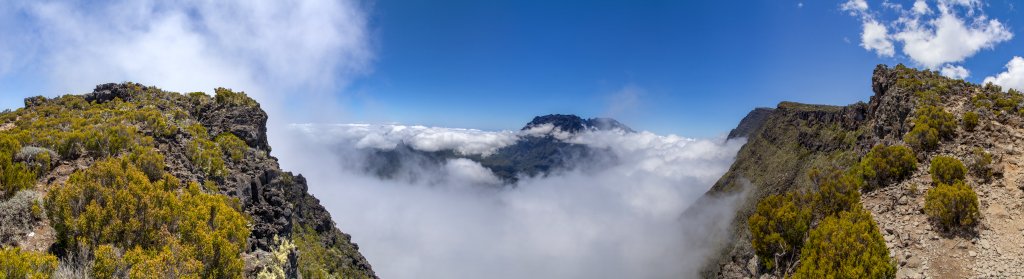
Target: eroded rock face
column 750, row 123
column 277, row 201
column 246, row 122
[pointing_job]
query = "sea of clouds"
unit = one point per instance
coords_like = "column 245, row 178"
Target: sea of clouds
column 618, row 219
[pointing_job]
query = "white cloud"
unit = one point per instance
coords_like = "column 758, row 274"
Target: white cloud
column 619, row 219
column 855, row 6
column 958, row 31
column 876, row 38
column 430, row 139
column 955, row 71
column 296, row 52
column 921, row 7
column 949, row 39
column 1013, row 77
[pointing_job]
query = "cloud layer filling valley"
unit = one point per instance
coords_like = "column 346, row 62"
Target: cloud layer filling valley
column 620, row 219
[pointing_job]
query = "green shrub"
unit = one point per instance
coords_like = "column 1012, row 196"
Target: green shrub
column 778, row 227
column 17, row 217
column 952, row 206
column 886, row 164
column 14, row 177
column 15, row 263
column 846, row 246
column 837, row 192
column 204, row 153
column 931, row 124
column 274, row 265
column 232, row 145
column 148, row 161
column 207, row 156
column 114, row 203
column 981, row 163
column 226, row 96
column 970, row 120
column 922, row 138
column 318, row 259
column 947, row 170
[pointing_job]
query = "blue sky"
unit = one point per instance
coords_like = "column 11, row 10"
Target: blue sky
column 692, row 68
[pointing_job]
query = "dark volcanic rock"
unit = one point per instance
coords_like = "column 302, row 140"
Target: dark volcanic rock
column 277, row 201
column 750, row 123
column 789, row 141
column 575, row 124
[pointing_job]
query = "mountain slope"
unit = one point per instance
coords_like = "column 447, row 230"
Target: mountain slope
column 216, row 147
column 795, row 138
column 541, row 147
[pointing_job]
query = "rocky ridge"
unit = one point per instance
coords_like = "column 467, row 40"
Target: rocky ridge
column 786, row 142
column 277, row 201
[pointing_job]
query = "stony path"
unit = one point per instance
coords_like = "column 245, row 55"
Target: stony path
column 994, row 250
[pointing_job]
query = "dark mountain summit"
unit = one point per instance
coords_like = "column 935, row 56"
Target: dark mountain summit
column 530, row 155
column 574, row 124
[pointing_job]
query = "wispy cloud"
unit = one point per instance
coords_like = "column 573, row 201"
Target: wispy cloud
column 936, row 40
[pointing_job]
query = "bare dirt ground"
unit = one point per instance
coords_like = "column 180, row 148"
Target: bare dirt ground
column 995, row 249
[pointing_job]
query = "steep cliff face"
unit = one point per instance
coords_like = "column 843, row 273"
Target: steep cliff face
column 277, row 203
column 794, row 138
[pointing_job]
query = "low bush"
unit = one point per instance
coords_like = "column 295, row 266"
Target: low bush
column 952, row 206
column 226, row 96
column 922, row 138
column 149, row 161
column 846, row 246
column 17, row 216
column 233, row 146
column 837, row 192
column 166, row 225
column 14, row 176
column 886, row 164
column 970, row 120
column 981, row 163
column 778, row 227
column 15, row 263
column 947, row 170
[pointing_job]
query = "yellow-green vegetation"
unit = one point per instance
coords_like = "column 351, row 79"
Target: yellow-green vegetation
column 167, row 225
column 884, row 165
column 837, row 192
column 278, row 259
column 931, row 124
column 922, row 138
column 315, row 258
column 15, row 263
column 947, row 170
column 226, row 96
column 14, row 177
column 74, row 128
column 232, row 145
column 981, row 163
column 970, row 120
column 778, row 227
column 952, row 206
column 204, row 153
column 992, row 98
column 846, row 246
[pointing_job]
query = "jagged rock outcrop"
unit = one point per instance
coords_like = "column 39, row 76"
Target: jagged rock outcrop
column 795, row 138
column 750, row 123
column 277, row 201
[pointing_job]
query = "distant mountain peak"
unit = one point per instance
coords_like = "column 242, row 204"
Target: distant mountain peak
column 574, row 124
